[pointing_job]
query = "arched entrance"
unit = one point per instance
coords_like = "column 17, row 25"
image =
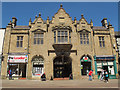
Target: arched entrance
column 85, row 65
column 37, row 65
column 62, row 66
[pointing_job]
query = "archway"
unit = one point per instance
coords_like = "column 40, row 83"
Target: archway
column 38, row 65
column 85, row 64
column 62, row 66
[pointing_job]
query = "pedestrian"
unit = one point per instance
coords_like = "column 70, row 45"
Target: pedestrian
column 43, row 77
column 106, row 76
column 71, row 77
column 102, row 75
column 10, row 74
column 90, row 75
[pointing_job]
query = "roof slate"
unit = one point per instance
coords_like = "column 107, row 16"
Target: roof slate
column 21, row 27
column 99, row 28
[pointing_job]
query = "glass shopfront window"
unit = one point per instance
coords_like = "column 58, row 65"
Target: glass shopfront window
column 106, row 65
column 38, row 66
column 18, row 70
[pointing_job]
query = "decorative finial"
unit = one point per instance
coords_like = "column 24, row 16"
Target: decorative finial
column 47, row 18
column 109, row 24
column 91, row 21
column 10, row 23
column 36, row 16
column 74, row 18
column 30, row 20
column 39, row 14
column 61, row 5
column 82, row 15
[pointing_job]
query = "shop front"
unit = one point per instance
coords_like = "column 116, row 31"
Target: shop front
column 85, row 65
column 18, row 65
column 107, row 63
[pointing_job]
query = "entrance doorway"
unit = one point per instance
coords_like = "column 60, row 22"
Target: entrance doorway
column 86, row 67
column 62, row 66
column 85, row 64
column 18, row 70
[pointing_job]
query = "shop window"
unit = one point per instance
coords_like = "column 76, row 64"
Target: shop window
column 38, row 38
column 101, row 41
column 38, row 66
column 19, row 41
column 84, row 38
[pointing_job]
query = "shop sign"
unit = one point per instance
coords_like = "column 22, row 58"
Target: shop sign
column 18, row 58
column 85, row 59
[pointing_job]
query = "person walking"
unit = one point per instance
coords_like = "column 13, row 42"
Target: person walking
column 106, row 76
column 43, row 77
column 10, row 74
column 90, row 75
column 71, row 77
column 102, row 75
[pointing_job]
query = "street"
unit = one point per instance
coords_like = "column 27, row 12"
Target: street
column 83, row 83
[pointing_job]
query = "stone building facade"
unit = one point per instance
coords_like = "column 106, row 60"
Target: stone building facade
column 117, row 36
column 2, row 33
column 59, row 47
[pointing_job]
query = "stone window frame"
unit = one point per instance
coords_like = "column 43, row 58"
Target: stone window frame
column 101, row 41
column 19, row 42
column 84, row 38
column 63, row 37
column 38, row 38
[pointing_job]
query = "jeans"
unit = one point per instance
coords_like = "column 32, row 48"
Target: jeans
column 90, row 77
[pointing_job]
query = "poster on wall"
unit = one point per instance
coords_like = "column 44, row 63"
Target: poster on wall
column 17, row 58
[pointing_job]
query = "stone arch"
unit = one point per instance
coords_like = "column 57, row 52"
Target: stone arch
column 62, row 66
column 37, row 65
column 86, row 64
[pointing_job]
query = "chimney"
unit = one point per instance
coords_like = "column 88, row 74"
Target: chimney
column 104, row 22
column 14, row 22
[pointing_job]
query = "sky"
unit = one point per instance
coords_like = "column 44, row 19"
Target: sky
column 96, row 11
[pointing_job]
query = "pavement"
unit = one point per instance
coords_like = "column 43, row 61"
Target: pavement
column 82, row 83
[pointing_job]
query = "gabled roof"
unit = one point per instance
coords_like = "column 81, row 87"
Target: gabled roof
column 21, row 27
column 99, row 28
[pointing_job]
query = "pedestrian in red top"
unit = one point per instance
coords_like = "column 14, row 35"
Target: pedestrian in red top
column 90, row 75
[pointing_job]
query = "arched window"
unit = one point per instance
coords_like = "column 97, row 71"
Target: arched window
column 38, row 66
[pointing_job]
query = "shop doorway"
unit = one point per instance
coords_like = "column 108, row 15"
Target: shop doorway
column 86, row 67
column 18, row 70
column 105, row 68
column 62, row 66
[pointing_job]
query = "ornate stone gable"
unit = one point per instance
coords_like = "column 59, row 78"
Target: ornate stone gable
column 83, row 25
column 38, row 24
column 61, row 17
